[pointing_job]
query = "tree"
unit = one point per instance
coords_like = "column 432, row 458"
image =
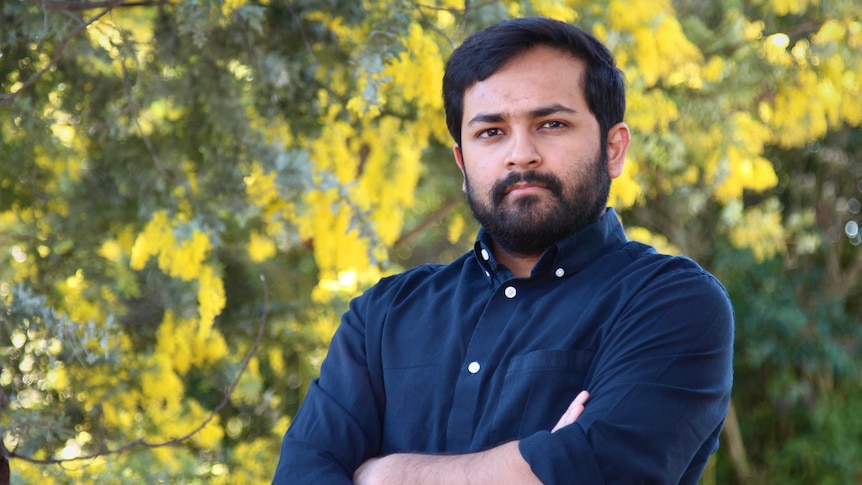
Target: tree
column 159, row 157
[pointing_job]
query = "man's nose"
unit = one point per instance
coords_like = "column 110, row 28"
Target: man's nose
column 523, row 152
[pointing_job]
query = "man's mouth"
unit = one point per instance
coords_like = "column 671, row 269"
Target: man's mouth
column 524, row 188
column 525, row 183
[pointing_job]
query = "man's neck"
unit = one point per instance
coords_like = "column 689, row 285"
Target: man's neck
column 520, row 265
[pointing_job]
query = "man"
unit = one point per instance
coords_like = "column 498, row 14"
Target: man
column 479, row 371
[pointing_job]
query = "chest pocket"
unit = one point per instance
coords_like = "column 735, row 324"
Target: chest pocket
column 537, row 389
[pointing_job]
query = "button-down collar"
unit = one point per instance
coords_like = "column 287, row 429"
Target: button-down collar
column 566, row 257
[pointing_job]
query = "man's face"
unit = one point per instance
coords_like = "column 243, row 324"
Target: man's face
column 535, row 169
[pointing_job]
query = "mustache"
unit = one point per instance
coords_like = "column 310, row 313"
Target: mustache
column 546, row 180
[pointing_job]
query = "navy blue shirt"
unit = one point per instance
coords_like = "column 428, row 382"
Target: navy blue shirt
column 462, row 357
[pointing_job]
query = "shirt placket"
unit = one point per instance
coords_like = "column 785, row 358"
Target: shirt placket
column 478, row 367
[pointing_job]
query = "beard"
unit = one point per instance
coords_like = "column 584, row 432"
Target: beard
column 531, row 224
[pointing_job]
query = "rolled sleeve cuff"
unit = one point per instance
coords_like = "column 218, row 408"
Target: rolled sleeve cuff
column 561, row 457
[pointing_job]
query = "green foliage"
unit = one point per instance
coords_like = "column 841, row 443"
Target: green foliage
column 157, row 159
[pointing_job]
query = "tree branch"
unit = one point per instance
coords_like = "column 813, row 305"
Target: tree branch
column 736, row 449
column 430, row 24
column 431, row 219
column 68, row 5
column 6, row 99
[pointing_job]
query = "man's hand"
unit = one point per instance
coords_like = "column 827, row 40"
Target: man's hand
column 575, row 409
column 367, row 473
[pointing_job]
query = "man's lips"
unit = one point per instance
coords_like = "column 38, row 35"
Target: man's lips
column 523, row 188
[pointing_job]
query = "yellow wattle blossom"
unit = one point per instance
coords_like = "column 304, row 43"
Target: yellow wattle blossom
column 650, row 111
column 337, row 246
column 760, row 229
column 659, row 242
column 185, row 346
column 445, row 19
column 252, row 462
column 391, row 173
column 57, row 378
column 185, row 260
column 59, row 170
column 277, row 213
column 191, row 177
column 210, row 436
column 823, row 91
column 375, row 156
column 210, row 348
column 80, row 306
column 752, row 31
column 801, row 111
column 161, row 387
column 714, row 69
column 774, row 50
column 456, row 228
column 150, row 242
column 211, row 299
column 260, row 186
column 659, row 44
column 275, row 359
column 111, row 250
column 336, row 24
column 787, row 7
column 556, row 9
column 739, row 165
column 745, row 172
column 228, row 7
column 260, row 247
column 625, row 191
column 382, row 159
column 169, row 459
column 126, row 239
column 418, row 74
column 32, row 473
column 174, row 340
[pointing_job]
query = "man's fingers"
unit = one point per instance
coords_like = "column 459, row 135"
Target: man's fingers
column 574, row 410
column 581, row 398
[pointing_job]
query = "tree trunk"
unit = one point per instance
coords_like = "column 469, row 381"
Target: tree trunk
column 735, row 446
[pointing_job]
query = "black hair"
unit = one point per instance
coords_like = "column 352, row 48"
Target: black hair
column 488, row 50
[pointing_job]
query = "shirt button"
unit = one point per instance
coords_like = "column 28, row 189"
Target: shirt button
column 473, row 367
column 485, row 254
column 560, row 272
column 511, row 292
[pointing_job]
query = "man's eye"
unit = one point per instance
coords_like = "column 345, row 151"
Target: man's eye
column 490, row 132
column 553, row 124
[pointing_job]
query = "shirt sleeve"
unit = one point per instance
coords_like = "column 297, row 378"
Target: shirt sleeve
column 660, row 391
column 338, row 425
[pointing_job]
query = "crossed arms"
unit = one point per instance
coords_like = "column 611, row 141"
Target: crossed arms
column 502, row 464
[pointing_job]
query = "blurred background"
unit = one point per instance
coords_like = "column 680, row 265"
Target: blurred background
column 192, row 191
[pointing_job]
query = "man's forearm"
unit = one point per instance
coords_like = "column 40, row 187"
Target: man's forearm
column 501, row 465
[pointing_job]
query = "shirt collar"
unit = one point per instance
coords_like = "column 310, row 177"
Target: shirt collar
column 569, row 255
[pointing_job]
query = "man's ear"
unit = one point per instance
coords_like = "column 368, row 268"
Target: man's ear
column 619, row 138
column 459, row 159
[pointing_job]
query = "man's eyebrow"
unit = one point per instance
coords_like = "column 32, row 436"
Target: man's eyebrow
column 536, row 113
column 549, row 110
column 486, row 118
